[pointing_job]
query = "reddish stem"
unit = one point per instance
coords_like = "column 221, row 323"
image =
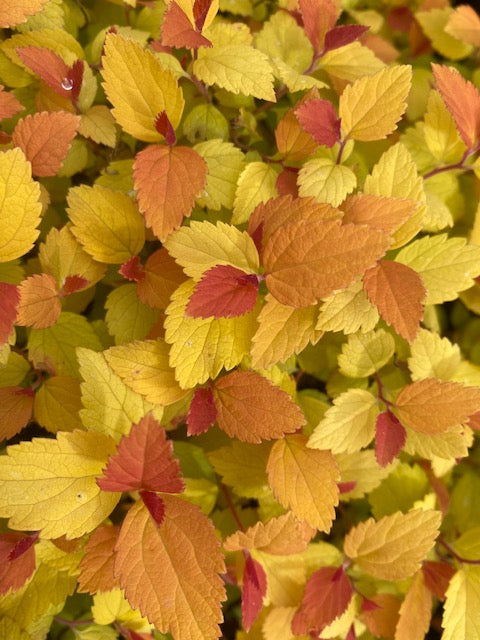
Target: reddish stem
column 454, row 554
column 232, row 508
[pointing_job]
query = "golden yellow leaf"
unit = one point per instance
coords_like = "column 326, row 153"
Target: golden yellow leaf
column 139, row 88
column 304, row 480
column 98, row 124
column 256, row 184
column 21, row 206
column 51, row 484
column 112, row 606
column 440, row 133
column 460, row 621
column 225, row 163
column 393, row 547
column 351, row 62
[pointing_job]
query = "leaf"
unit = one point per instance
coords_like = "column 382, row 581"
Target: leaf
column 365, row 353
column 348, row 425
column 13, row 12
column 304, row 480
column 462, row 99
column 464, row 24
column 256, row 184
column 17, row 555
column 167, row 180
column 318, row 19
column 21, row 206
column 144, row 460
column 371, row 107
column 97, row 565
column 223, row 292
column 342, row 35
column 39, row 306
column 65, row 80
column 186, row 548
column 393, row 547
column 433, row 357
column 51, row 484
column 238, row 68
column 437, row 576
column 8, row 311
column 98, row 124
column 254, row 587
column 178, row 31
column 224, row 164
column 327, row 595
column 326, row 181
column 446, row 265
column 139, row 88
column 281, row 536
column 347, row 310
column 462, row 597
column 202, row 413
column 159, row 278
column 398, row 293
column 433, row 23
column 16, row 405
column 293, row 141
column 9, row 104
column 58, row 403
column 433, row 406
column 415, row 611
column 390, row 437
column 378, row 212
column 45, row 139
column 106, row 222
column 351, row 62
column 127, row 318
column 440, row 132
column 306, row 261
column 380, row 614
column 251, row 408
column 318, row 118
column 113, row 607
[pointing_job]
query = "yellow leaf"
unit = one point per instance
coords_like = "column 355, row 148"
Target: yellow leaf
column 57, row 404
column 21, row 206
column 365, row 353
column 278, row 624
column 203, row 245
column 449, row 445
column 51, row 15
column 51, row 484
column 400, row 491
column 433, row 23
column 362, row 468
column 139, row 88
column 446, row 265
column 225, row 163
column 371, row 107
column 57, row 40
column 296, row 81
column 127, row 317
column 349, row 425
column 256, row 184
column 468, row 544
column 460, row 621
column 202, row 347
column 238, row 68
column 11, row 630
column 348, row 310
column 304, row 480
column 433, row 356
column 282, row 331
column 143, row 367
column 326, row 181
column 112, row 606
column 441, row 135
column 14, row 371
column 351, row 62
column 110, row 407
column 415, row 611
column 98, row 124
column 394, row 547
column 107, row 223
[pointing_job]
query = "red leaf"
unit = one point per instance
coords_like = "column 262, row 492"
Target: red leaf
column 9, row 105
column 164, row 127
column 437, row 576
column 318, row 118
column 287, row 183
column 343, row 34
column 17, row 560
column 50, row 67
column 389, row 439
column 400, row 19
column 178, row 32
column 254, row 588
column 144, row 460
column 327, row 594
column 319, row 17
column 10, row 298
column 155, row 505
column 345, row 487
column 200, row 12
column 223, row 292
column 202, row 413
column 132, row 269
column 72, row 284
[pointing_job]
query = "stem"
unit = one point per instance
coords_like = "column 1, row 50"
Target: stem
column 381, row 395
column 340, row 150
column 232, row 508
column 200, row 87
column 453, row 553
column 451, row 167
column 72, row 623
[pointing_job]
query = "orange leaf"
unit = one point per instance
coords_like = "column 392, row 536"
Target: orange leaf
column 39, row 306
column 304, row 480
column 434, row 406
column 8, row 309
column 162, row 275
column 293, row 142
column 13, row 12
column 462, row 99
column 167, row 180
column 17, row 560
column 51, row 68
column 9, row 104
column 378, row 212
column 416, row 611
column 96, row 567
column 45, row 139
column 144, row 460
column 254, row 588
column 398, row 293
column 177, row 31
column 16, row 406
column 308, row 260
column 437, row 576
column 251, row 408
column 382, row 619
column 286, row 183
column 319, row 16
column 184, row 598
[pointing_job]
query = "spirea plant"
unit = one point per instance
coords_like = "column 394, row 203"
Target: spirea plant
column 239, row 332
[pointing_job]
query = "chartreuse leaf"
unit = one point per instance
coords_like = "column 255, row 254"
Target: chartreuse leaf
column 14, row 371
column 15, row 12
column 95, row 632
column 139, row 88
column 57, row 404
column 186, row 548
column 127, row 317
column 256, row 184
column 349, row 425
column 440, row 133
column 202, row 347
column 112, row 606
column 326, row 181
column 405, row 485
column 21, row 206
column 107, row 223
column 365, row 353
column 109, row 406
column 348, row 310
column 461, row 602
column 13, row 631
column 203, row 245
column 51, row 484
column 433, row 356
column 224, row 165
column 393, row 547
